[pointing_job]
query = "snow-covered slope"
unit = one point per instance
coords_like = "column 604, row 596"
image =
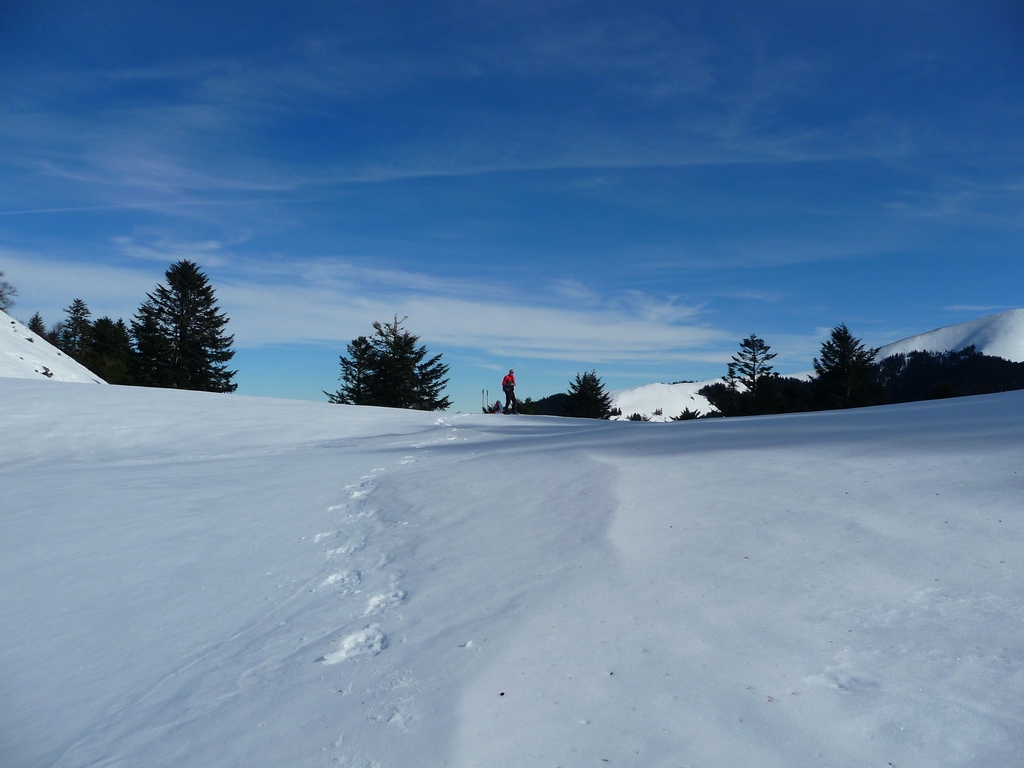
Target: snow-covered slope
column 25, row 355
column 1000, row 335
column 196, row 580
column 671, row 399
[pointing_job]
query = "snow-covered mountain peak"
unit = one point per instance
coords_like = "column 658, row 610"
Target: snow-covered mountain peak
column 1000, row 335
column 26, row 355
column 669, row 399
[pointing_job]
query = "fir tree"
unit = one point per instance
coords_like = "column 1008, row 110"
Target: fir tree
column 53, row 335
column 587, row 398
column 389, row 369
column 150, row 361
column 686, row 415
column 179, row 335
column 357, row 372
column 750, row 367
column 74, row 336
column 110, row 351
column 844, row 374
column 7, row 293
column 37, row 325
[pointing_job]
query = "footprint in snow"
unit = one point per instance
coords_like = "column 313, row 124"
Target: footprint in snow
column 346, row 581
column 364, row 643
column 383, row 603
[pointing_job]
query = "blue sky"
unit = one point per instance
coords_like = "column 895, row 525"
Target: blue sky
column 553, row 186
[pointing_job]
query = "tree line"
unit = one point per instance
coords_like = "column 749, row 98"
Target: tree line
column 177, row 338
column 390, row 368
column 846, row 375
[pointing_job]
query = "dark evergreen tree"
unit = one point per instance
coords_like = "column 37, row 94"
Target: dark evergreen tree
column 357, row 371
column 686, row 415
column 74, row 336
column 53, row 335
column 390, row 369
column 527, row 407
column 110, row 351
column 553, row 405
column 150, row 361
column 775, row 394
column 587, row 398
column 844, row 374
column 37, row 325
column 179, row 335
column 750, row 366
column 7, row 293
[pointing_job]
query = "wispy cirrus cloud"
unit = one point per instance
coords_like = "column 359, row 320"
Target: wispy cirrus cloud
column 331, row 301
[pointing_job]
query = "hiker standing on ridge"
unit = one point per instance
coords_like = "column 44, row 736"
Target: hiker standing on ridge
column 508, row 384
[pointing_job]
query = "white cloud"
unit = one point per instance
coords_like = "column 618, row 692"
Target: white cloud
column 264, row 314
column 333, row 302
column 206, row 252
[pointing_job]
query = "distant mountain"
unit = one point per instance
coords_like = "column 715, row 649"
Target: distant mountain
column 26, row 355
column 670, row 399
column 1000, row 335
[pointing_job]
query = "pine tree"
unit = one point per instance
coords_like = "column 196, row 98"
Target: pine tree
column 74, row 336
column 179, row 335
column 7, row 293
column 390, row 370
column 587, row 398
column 750, row 367
column 844, row 375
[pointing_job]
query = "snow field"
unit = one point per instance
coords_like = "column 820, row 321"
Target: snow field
column 205, row 580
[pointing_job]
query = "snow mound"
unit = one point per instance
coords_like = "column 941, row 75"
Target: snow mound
column 26, row 355
column 670, row 399
column 1000, row 335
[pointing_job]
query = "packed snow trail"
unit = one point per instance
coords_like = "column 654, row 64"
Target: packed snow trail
column 205, row 580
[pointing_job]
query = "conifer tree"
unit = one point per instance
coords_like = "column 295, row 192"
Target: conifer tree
column 150, row 362
column 389, row 369
column 357, row 371
column 110, row 350
column 844, row 374
column 750, row 366
column 37, row 325
column 179, row 335
column 74, row 335
column 587, row 398
column 7, row 293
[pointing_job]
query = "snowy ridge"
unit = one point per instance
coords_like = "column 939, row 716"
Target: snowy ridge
column 26, row 355
column 671, row 399
column 222, row 580
column 999, row 335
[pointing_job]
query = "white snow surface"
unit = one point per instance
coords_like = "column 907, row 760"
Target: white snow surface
column 26, row 355
column 211, row 580
column 999, row 335
column 670, row 399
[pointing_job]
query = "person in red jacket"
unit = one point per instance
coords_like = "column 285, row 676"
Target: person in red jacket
column 508, row 384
